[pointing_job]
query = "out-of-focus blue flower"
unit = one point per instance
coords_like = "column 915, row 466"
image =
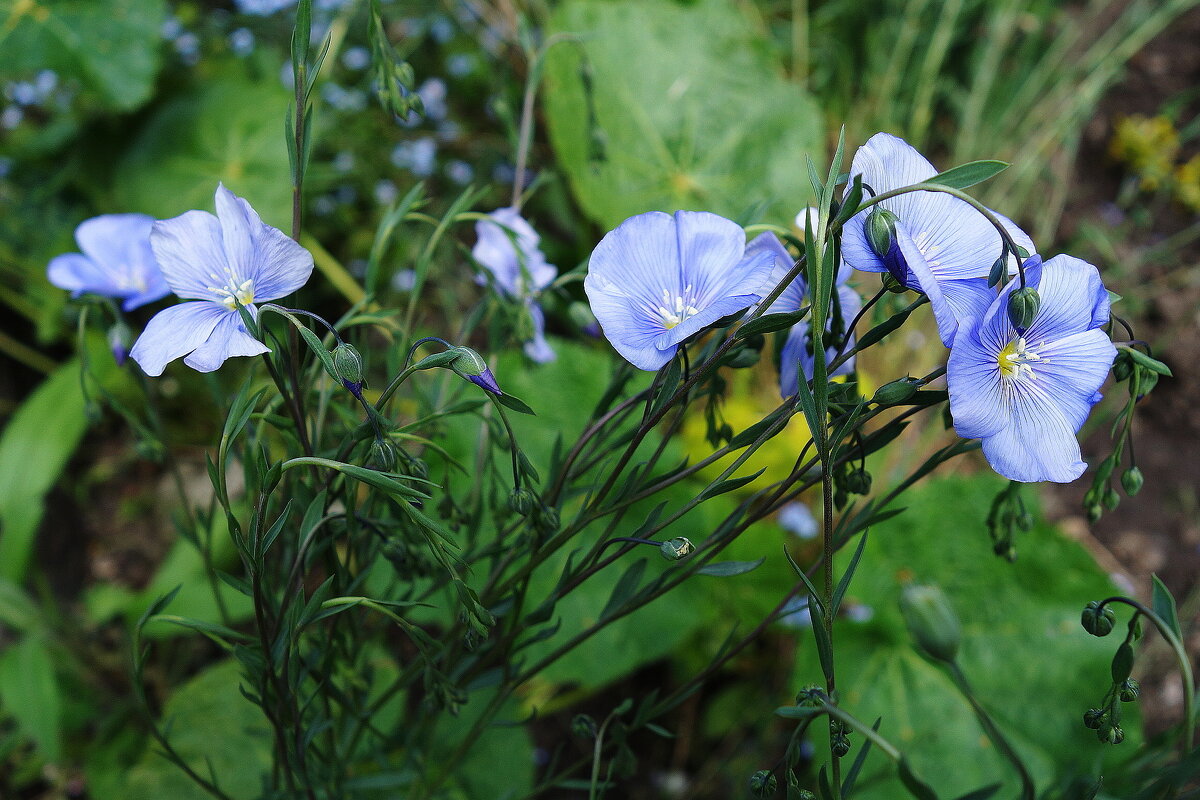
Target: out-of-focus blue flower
column 262, row 8
column 222, row 261
column 356, row 58
column 657, row 279
column 507, row 246
column 797, row 351
column 116, row 261
column 797, row 518
column 1027, row 395
column 241, row 42
column 942, row 246
column 433, row 94
column 416, row 156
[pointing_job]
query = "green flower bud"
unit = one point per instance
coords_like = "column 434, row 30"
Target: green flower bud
column 931, row 621
column 1111, row 499
column 470, row 365
column 1132, row 480
column 892, row 285
column 546, row 518
column 1094, row 512
column 858, row 481
column 805, row 794
column 1023, row 307
column 583, row 726
column 1130, row 690
column 521, row 501
column 839, row 746
column 676, row 549
column 1096, row 620
column 1147, row 380
column 1114, row 735
column 1122, row 366
column 1093, row 718
column 383, row 455
column 1025, row 521
column 763, row 783
column 349, row 367
column 881, row 230
column 895, row 392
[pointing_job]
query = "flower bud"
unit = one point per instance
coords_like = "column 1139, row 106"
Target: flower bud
column 1122, row 366
column 383, row 455
column 521, row 501
column 349, row 367
column 895, row 392
column 931, row 621
column 583, row 726
column 1093, row 718
column 805, row 794
column 1023, row 307
column 470, row 365
column 1130, row 690
column 1132, row 480
column 120, row 339
column 1110, row 499
column 839, row 745
column 1094, row 512
column 763, row 783
column 676, row 549
column 1147, row 380
column 1115, row 735
column 892, row 285
column 880, row 229
column 1096, row 620
column 858, row 481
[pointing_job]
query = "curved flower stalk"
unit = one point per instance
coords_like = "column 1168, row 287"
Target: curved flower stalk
column 507, row 246
column 225, row 261
column 797, row 352
column 658, row 278
column 1026, row 395
column 940, row 245
column 116, row 261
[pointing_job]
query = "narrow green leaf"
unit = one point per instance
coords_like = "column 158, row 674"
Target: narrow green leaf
column 967, row 175
column 667, row 386
column 319, row 350
column 240, row 585
column 983, row 793
column 625, row 587
column 915, row 786
column 821, row 636
column 844, row 583
column 850, row 203
column 756, row 430
column 1150, row 363
column 728, row 486
column 516, row 404
column 881, row 330
column 727, row 569
column 860, row 759
column 1164, row 605
column 812, row 589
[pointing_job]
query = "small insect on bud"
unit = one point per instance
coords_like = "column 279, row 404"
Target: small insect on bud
column 1132, row 480
column 896, row 392
column 383, row 455
column 1023, row 307
column 349, row 367
column 675, row 549
column 1130, row 690
column 1096, row 620
column 880, row 228
column 1093, row 718
column 470, row 365
column 763, row 783
column 931, row 621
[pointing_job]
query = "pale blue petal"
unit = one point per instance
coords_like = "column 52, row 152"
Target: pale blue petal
column 708, row 245
column 116, row 261
column 275, row 263
column 175, row 332
column 640, row 258
column 792, row 298
column 537, row 348
column 709, row 314
column 190, row 253
column 1037, row 444
column 628, row 324
column 156, row 291
column 77, row 273
column 792, row 358
column 855, row 250
column 968, row 299
column 925, row 281
column 1072, row 370
column 974, row 383
column 1073, row 299
column 494, row 250
column 228, row 339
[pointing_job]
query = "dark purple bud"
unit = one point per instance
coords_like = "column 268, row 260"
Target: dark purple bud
column 119, row 337
column 486, row 380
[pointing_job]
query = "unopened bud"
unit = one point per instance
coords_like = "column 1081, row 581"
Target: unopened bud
column 120, row 339
column 880, row 229
column 470, row 365
column 521, row 501
column 383, row 455
column 763, row 783
column 1130, row 690
column 676, row 549
column 1023, row 307
column 1094, row 512
column 349, row 367
column 1096, row 620
column 1115, row 735
column 931, row 621
column 839, row 746
column 895, row 392
column 583, row 726
column 892, row 285
column 1093, row 718
column 858, row 481
column 1122, row 366
column 1132, row 480
column 1110, row 500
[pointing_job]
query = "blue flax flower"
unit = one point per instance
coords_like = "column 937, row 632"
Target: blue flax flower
column 942, row 246
column 797, row 351
column 519, row 270
column 1026, row 395
column 116, row 261
column 222, row 262
column 657, row 279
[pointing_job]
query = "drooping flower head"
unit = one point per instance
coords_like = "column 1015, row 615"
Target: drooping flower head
column 797, row 354
column 507, row 246
column 116, row 261
column 221, row 262
column 940, row 245
column 658, row 278
column 1026, row 395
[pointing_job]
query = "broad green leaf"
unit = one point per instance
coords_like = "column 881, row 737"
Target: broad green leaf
column 1019, row 640
column 966, row 175
column 230, row 131
column 112, row 47
column 29, row 691
column 661, row 105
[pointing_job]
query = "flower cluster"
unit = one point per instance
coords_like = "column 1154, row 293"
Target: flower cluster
column 1027, row 360
column 507, row 246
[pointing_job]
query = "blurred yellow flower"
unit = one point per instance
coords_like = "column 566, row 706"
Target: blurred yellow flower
column 1148, row 145
column 1187, row 183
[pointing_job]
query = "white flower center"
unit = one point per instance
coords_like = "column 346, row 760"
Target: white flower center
column 676, row 308
column 233, row 294
column 1016, row 358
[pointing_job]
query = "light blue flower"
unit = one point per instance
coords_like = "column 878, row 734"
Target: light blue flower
column 943, row 247
column 116, row 261
column 1027, row 395
column 797, row 351
column 657, row 279
column 507, row 247
column 222, row 261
